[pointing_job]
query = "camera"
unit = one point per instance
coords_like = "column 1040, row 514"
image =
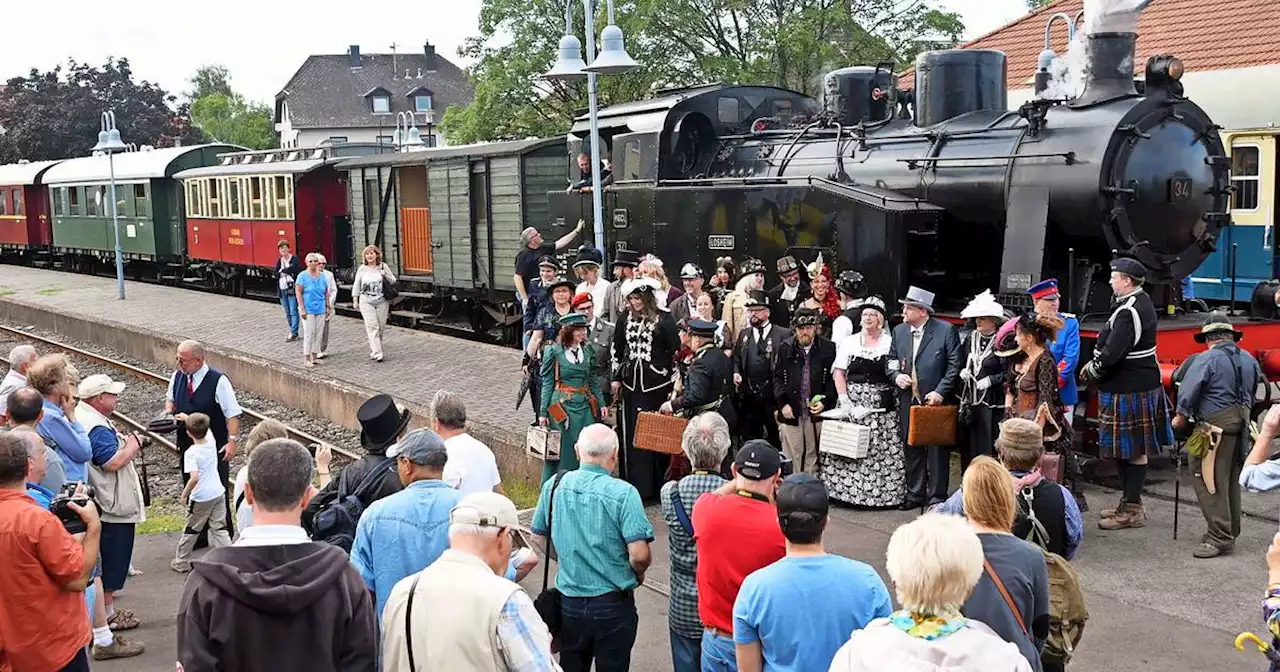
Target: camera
column 70, row 519
column 788, row 466
column 144, row 441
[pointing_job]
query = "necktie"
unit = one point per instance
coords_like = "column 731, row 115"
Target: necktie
column 804, row 386
column 191, row 386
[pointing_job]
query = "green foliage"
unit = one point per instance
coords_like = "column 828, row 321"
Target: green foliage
column 57, row 114
column 1033, row 5
column 228, row 118
column 788, row 43
column 208, row 80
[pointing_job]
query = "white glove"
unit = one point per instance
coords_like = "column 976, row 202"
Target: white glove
column 859, row 412
column 983, row 383
column 966, row 375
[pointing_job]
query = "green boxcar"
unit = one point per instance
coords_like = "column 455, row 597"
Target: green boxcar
column 149, row 201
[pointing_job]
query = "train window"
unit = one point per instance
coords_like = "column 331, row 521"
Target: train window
column 283, row 193
column 73, row 198
column 93, row 201
column 213, row 196
column 18, row 208
column 141, row 204
column 233, row 198
column 1244, row 177
column 59, row 200
column 4, row 203
column 728, row 112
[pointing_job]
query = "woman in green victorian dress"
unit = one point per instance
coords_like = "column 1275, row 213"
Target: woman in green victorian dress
column 571, row 397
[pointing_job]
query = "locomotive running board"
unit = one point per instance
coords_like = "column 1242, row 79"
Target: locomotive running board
column 1026, row 224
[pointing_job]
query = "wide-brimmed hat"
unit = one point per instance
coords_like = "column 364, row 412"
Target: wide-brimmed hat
column 787, row 264
column 588, row 255
column 749, row 266
column 561, row 281
column 690, row 271
column 757, row 298
column 1006, row 344
column 381, row 422
column 640, row 285
column 1216, row 323
column 983, row 305
column 919, row 298
column 626, row 258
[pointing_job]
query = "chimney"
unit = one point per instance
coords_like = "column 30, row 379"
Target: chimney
column 1109, row 73
column 430, row 52
column 353, row 56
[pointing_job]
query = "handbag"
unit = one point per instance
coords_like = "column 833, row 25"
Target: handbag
column 389, row 291
column 845, row 439
column 542, row 443
column 932, row 426
column 547, row 604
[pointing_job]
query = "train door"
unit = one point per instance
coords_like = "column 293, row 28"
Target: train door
column 481, row 226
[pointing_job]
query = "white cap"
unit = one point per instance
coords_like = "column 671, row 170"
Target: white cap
column 99, row 383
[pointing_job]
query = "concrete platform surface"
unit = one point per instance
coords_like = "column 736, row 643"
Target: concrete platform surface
column 1153, row 607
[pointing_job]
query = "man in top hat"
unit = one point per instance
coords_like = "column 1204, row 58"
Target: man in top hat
column 599, row 338
column 1065, row 349
column 708, row 384
column 924, row 362
column 624, row 269
column 532, row 250
column 686, row 305
column 804, row 386
column 1133, row 415
column 733, row 310
column 790, row 293
column 381, row 424
column 755, row 355
column 587, row 267
column 1216, row 392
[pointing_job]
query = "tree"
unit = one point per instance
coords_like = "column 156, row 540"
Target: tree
column 225, row 115
column 208, row 80
column 57, row 114
column 1033, row 5
column 788, row 43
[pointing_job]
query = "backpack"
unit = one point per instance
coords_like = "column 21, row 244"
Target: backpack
column 1067, row 611
column 336, row 523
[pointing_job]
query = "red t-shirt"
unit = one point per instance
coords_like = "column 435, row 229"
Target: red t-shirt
column 735, row 535
column 42, row 625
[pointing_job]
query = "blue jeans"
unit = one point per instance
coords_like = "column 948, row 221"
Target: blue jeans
column 686, row 653
column 718, row 653
column 289, row 301
column 601, row 628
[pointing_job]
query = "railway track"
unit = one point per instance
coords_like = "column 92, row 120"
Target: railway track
column 149, row 376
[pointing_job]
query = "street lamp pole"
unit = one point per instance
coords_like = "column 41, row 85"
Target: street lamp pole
column 593, row 118
column 109, row 143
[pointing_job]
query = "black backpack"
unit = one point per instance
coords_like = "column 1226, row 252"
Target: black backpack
column 336, row 522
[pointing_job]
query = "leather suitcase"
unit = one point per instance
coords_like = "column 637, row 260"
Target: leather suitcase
column 932, row 426
column 660, row 433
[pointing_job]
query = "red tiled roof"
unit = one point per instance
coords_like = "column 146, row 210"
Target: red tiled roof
column 1204, row 34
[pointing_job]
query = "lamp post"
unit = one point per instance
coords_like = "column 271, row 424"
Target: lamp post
column 109, row 143
column 612, row 59
column 410, row 138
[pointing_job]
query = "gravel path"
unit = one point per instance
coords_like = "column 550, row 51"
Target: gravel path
column 143, row 400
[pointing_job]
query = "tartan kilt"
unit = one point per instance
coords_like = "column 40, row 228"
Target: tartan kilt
column 1131, row 424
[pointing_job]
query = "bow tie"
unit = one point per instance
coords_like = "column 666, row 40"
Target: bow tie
column 918, row 331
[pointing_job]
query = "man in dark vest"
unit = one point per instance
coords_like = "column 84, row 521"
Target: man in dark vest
column 198, row 388
column 788, row 294
column 754, row 356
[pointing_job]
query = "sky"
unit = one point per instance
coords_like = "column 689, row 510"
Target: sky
column 165, row 43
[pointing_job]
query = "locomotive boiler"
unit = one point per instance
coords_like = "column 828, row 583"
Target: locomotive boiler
column 937, row 185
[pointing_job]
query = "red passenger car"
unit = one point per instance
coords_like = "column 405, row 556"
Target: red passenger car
column 238, row 211
column 24, row 207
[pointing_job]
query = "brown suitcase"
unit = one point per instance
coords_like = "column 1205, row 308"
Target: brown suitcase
column 660, row 433
column 932, row 426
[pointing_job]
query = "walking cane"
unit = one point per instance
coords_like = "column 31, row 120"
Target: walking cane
column 1177, row 486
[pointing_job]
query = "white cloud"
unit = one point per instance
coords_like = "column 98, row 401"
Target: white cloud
column 263, row 42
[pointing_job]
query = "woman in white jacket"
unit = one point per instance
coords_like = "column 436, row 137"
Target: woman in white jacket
column 934, row 563
column 366, row 292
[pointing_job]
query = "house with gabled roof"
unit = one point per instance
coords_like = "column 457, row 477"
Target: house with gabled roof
column 355, row 97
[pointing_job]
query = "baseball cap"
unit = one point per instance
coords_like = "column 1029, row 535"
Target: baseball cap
column 99, row 383
column 758, row 460
column 802, row 493
column 486, row 509
column 421, row 446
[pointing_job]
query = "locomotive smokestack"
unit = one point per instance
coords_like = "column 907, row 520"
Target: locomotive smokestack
column 1111, row 27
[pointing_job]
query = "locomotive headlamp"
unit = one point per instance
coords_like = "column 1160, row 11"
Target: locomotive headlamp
column 1175, row 68
column 1165, row 68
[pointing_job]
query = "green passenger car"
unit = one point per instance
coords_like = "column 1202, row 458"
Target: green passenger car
column 149, row 202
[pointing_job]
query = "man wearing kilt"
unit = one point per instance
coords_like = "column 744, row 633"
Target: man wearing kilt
column 1133, row 412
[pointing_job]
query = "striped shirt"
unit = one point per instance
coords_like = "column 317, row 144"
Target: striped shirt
column 682, row 612
column 523, row 648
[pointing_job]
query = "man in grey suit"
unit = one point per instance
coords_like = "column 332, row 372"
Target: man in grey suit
column 924, row 362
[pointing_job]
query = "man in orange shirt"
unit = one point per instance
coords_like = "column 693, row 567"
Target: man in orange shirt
column 43, row 620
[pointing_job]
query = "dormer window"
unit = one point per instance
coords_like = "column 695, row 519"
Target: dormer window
column 422, row 102
column 379, row 100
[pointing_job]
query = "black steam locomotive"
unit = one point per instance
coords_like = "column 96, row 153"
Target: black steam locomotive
column 939, row 186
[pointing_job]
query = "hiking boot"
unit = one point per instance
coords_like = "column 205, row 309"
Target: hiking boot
column 123, row 619
column 1111, row 513
column 180, row 567
column 1207, row 550
column 1128, row 515
column 120, row 648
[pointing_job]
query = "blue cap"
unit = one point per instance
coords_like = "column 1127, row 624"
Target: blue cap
column 1130, row 267
column 703, row 328
column 1045, row 289
column 421, row 446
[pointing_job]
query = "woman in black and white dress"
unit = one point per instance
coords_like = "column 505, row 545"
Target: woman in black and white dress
column 879, row 479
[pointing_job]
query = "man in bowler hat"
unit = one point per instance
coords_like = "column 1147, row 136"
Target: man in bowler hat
column 790, row 293
column 624, row 269
column 924, row 362
column 754, row 357
column 382, row 423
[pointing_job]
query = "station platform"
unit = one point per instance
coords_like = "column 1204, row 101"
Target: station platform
column 245, row 339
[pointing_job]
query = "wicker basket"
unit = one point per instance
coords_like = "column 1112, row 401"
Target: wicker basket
column 660, row 433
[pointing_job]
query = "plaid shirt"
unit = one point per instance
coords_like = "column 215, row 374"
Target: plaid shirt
column 523, row 639
column 682, row 613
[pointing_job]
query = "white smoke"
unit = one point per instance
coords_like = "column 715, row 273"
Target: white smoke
column 1069, row 72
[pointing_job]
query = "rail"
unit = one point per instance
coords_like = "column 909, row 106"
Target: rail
column 159, row 379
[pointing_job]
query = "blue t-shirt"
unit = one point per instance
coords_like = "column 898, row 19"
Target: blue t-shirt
column 314, row 293
column 803, row 609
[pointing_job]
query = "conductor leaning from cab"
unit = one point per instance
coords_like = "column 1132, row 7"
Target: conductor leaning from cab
column 709, row 383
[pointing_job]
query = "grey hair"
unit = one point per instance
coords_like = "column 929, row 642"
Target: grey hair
column 449, row 410
column 193, row 348
column 527, row 235
column 706, row 440
column 279, row 474
column 470, row 530
column 21, row 357
column 597, row 441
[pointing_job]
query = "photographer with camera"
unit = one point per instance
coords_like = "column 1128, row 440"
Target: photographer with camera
column 118, row 487
column 43, row 621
